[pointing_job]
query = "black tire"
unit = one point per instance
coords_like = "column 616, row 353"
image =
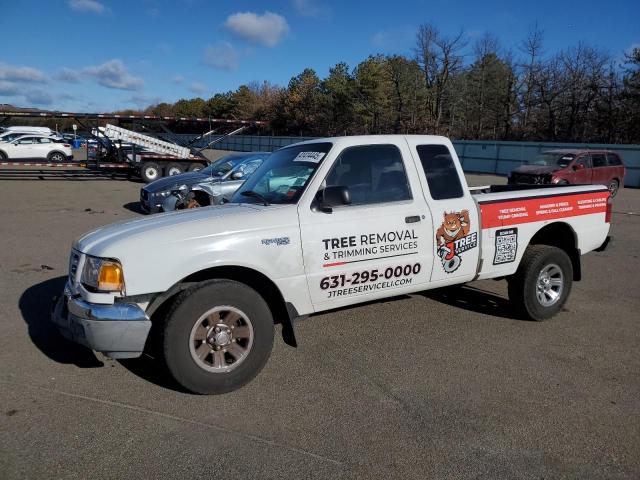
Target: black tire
column 3, row 156
column 194, row 167
column 56, row 157
column 150, row 171
column 174, row 169
column 186, row 317
column 614, row 186
column 563, row 182
column 524, row 288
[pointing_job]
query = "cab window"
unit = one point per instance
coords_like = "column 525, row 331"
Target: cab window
column 25, row 141
column 372, row 173
column 584, row 160
column 599, row 160
column 44, row 140
column 442, row 177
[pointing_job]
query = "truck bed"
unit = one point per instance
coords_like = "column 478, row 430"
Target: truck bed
column 505, row 205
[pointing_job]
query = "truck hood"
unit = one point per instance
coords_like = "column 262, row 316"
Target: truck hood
column 126, row 237
column 536, row 169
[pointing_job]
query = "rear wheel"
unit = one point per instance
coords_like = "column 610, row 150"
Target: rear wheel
column 3, row 156
column 150, row 171
column 174, row 169
column 541, row 285
column 56, row 157
column 613, row 187
column 195, row 167
column 217, row 337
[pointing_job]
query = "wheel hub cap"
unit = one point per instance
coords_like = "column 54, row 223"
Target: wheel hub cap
column 549, row 285
column 221, row 339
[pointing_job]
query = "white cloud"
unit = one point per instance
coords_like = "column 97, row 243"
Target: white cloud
column 141, row 100
column 9, row 89
column 113, row 74
column 311, row 8
column 198, row 88
column 38, row 97
column 68, row 75
column 222, row 56
column 87, row 6
column 178, row 79
column 11, row 73
column 266, row 29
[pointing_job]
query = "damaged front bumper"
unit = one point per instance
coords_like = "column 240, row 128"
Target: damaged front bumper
column 119, row 330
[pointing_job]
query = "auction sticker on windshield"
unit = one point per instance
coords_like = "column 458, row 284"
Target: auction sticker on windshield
column 313, row 157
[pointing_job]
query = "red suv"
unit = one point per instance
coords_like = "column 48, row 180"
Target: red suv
column 565, row 166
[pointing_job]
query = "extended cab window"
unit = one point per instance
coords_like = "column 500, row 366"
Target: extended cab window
column 440, row 170
column 372, row 173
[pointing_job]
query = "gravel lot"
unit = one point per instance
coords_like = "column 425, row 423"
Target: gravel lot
column 445, row 384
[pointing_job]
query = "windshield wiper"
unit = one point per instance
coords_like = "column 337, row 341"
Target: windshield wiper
column 251, row 193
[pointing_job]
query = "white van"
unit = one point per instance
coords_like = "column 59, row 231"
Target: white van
column 11, row 133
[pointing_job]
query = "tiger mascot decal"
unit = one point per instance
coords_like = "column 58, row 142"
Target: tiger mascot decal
column 454, row 227
column 451, row 239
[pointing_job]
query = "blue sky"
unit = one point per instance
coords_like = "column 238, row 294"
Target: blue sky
column 105, row 55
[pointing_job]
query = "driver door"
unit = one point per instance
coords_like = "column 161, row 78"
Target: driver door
column 378, row 245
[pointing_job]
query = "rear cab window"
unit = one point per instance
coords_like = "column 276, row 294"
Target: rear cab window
column 440, row 169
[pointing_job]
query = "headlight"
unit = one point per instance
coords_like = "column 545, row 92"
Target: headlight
column 103, row 274
column 166, row 193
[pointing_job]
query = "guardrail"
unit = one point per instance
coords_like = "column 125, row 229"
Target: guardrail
column 476, row 156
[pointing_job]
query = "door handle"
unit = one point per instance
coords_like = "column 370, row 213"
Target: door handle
column 412, row 219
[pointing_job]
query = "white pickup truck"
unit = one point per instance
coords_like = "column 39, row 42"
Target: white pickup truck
column 320, row 225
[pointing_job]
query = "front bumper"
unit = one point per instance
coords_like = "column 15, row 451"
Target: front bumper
column 149, row 202
column 119, row 330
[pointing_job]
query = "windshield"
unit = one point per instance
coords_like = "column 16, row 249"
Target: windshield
column 283, row 176
column 552, row 159
column 222, row 165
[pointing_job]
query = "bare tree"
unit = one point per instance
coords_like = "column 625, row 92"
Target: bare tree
column 439, row 58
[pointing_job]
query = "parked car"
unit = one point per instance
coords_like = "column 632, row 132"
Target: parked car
column 24, row 130
column 36, row 147
column 153, row 194
column 215, row 189
column 578, row 167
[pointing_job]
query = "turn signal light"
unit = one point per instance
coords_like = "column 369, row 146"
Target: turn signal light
column 607, row 215
column 110, row 277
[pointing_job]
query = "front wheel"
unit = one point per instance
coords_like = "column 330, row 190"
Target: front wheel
column 541, row 285
column 217, row 337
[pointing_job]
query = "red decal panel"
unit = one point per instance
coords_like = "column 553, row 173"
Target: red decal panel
column 515, row 212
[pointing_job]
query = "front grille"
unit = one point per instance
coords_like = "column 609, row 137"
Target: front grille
column 73, row 267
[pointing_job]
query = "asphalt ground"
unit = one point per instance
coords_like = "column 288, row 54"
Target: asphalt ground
column 444, row 384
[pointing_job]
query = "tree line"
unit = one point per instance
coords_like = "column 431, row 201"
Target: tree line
column 452, row 86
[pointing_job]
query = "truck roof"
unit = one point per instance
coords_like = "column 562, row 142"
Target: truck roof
column 363, row 139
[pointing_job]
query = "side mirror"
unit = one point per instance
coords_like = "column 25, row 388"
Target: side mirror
column 333, row 196
column 237, row 175
column 578, row 166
